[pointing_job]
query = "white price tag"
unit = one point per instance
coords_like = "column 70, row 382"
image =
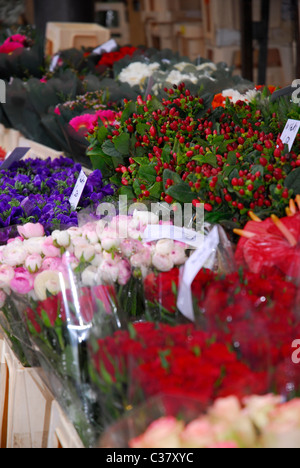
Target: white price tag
column 78, row 189
column 190, row 270
column 190, row 237
column 290, row 132
column 54, row 63
column 107, row 47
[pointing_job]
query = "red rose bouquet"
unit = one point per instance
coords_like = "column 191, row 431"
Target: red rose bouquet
column 258, row 315
column 108, row 59
column 150, row 359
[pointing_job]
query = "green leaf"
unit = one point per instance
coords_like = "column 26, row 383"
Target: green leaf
column 109, row 149
column 129, row 109
column 155, row 190
column 182, row 193
column 292, row 182
column 258, row 168
column 147, row 174
column 122, row 143
column 102, row 134
column 142, row 128
column 171, row 175
column 155, row 105
column 231, row 158
column 208, row 158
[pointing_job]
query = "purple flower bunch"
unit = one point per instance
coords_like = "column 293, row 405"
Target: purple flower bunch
column 36, row 190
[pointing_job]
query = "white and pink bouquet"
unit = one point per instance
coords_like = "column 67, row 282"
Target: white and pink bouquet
column 172, row 423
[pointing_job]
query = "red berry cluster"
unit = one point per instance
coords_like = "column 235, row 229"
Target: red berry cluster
column 231, row 159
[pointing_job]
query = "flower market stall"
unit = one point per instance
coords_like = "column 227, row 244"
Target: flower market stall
column 149, row 252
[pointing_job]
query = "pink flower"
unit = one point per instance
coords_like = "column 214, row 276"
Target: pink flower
column 57, row 111
column 108, row 117
column 163, row 433
column 31, row 230
column 13, row 43
column 49, row 249
column 18, row 38
column 124, row 272
column 199, row 433
column 8, row 48
column 51, row 263
column 22, row 283
column 224, row 445
column 84, row 123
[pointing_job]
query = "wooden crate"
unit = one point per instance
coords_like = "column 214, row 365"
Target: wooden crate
column 61, row 36
column 25, row 404
column 224, row 16
column 120, row 32
column 62, row 433
column 136, row 26
column 160, row 35
column 168, row 11
column 9, row 138
column 189, row 39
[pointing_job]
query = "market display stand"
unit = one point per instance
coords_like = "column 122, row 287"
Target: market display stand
column 30, row 417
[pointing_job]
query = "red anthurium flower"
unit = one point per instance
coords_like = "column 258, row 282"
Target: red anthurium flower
column 273, row 243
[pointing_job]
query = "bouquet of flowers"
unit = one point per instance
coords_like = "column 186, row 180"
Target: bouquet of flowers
column 169, row 422
column 36, row 190
column 259, row 316
column 150, row 359
column 70, row 122
column 53, row 315
column 231, row 159
column 21, row 55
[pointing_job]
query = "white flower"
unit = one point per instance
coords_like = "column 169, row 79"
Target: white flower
column 33, row 263
column 14, row 254
column 109, row 243
column 61, row 238
column 34, row 245
column 162, row 262
column 178, row 255
column 6, row 275
column 89, row 276
column 83, row 250
column 175, row 77
column 207, row 66
column 164, row 246
column 47, row 281
column 145, row 217
column 137, row 72
column 182, row 65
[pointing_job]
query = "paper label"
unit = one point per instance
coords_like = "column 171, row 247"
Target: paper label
column 78, row 189
column 290, row 132
column 190, row 270
column 107, row 47
column 54, row 63
column 155, row 232
column 15, row 156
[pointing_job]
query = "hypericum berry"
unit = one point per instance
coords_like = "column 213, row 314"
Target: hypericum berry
column 168, row 199
column 263, row 161
column 208, row 207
